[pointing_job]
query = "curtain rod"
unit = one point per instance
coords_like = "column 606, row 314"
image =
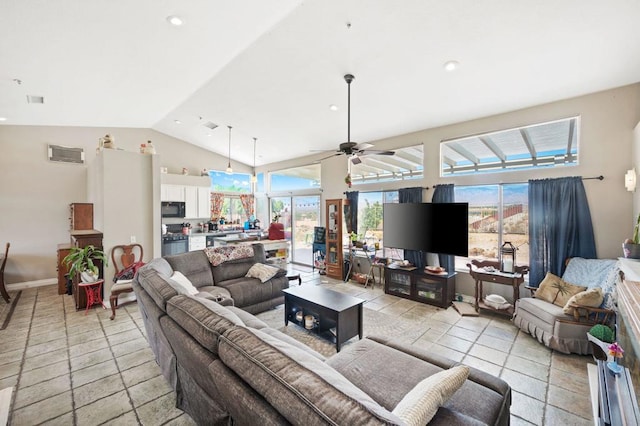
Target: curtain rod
column 526, row 181
column 388, row 190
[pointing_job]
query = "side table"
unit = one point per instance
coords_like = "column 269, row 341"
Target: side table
column 480, row 275
column 94, row 293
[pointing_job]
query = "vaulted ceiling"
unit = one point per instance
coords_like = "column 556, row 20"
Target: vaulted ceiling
column 271, row 69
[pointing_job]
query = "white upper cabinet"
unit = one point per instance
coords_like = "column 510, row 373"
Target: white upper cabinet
column 172, row 192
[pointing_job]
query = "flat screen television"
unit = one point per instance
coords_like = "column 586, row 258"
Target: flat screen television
column 441, row 228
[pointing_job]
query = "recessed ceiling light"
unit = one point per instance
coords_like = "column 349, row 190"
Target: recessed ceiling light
column 3, row 118
column 333, row 107
column 175, row 20
column 177, row 121
column 451, row 65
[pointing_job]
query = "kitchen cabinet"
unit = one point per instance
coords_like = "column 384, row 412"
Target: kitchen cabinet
column 204, row 202
column 191, row 202
column 197, row 242
column 333, row 258
column 172, row 192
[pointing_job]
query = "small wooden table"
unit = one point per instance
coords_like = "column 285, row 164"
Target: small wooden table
column 479, row 274
column 329, row 308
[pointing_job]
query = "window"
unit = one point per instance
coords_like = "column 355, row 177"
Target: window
column 497, row 213
column 304, row 177
column 234, row 182
column 370, row 218
column 549, row 144
column 232, row 211
column 405, row 164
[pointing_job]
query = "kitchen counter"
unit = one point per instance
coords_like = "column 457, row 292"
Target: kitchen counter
column 253, row 232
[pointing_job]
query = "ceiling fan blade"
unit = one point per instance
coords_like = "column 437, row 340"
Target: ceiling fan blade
column 363, row 145
column 376, row 152
column 331, row 156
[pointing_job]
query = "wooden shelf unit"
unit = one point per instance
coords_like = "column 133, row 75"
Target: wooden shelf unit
column 334, row 261
column 434, row 289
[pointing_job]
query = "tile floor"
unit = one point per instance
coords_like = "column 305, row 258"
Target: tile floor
column 70, row 369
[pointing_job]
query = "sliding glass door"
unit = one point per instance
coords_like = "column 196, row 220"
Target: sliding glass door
column 299, row 215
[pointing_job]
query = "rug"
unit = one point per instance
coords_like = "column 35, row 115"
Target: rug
column 465, row 309
column 8, row 308
column 375, row 324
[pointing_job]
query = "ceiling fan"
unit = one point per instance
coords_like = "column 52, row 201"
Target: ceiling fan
column 353, row 149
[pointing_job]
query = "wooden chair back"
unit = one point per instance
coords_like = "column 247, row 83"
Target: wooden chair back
column 128, row 255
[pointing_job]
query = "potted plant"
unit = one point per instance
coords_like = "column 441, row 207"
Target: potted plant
column 631, row 246
column 82, row 261
column 600, row 337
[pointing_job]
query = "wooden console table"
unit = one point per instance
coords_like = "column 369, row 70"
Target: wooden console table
column 480, row 275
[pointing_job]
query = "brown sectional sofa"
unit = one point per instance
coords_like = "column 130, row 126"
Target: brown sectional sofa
column 229, row 367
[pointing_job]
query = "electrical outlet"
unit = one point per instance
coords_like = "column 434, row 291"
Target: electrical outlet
column 133, row 239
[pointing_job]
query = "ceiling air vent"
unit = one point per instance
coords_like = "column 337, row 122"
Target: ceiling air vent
column 33, row 99
column 64, row 154
column 210, row 125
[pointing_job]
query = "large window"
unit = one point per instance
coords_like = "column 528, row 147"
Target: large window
column 304, row 177
column 370, row 218
column 497, row 213
column 405, row 164
column 550, row 144
column 234, row 182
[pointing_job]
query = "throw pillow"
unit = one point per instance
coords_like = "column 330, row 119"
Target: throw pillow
column 591, row 298
column 263, row 272
column 421, row 403
column 181, row 284
column 554, row 289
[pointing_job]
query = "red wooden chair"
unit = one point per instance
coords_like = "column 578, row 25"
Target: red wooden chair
column 124, row 257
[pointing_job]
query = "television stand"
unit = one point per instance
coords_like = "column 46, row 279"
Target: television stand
column 421, row 286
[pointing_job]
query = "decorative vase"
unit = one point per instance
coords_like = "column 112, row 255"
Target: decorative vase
column 149, row 148
column 614, row 367
column 88, row 277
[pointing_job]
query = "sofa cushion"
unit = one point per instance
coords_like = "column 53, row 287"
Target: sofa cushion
column 238, row 268
column 297, row 384
column 418, row 407
column 555, row 290
column 194, row 265
column 293, row 342
column 545, row 311
column 249, row 291
column 181, row 284
column 603, row 273
column 592, row 298
column 203, row 319
column 156, row 286
column 262, row 272
column 215, row 291
column 159, row 265
column 248, row 319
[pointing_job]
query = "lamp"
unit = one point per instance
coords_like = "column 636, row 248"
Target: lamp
column 229, row 169
column 630, row 180
column 508, row 258
column 254, row 178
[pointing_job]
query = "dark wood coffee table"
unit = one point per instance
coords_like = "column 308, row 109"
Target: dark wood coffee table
column 332, row 311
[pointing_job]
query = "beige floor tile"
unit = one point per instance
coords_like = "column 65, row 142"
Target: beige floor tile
column 482, row 365
column 528, row 367
column 183, row 420
column 556, row 416
column 527, row 408
column 126, row 419
column 11, row 356
column 43, row 348
column 124, row 336
column 111, row 328
column 488, row 354
column 88, row 347
column 149, row 390
column 575, row 403
column 134, row 359
column 517, row 421
column 447, row 352
column 93, row 373
column 92, row 358
column 10, row 369
column 129, row 347
column 101, row 388
column 13, row 344
column 42, row 374
column 572, row 364
column 571, row 382
column 501, row 333
column 42, row 411
column 84, row 338
column 525, row 384
column 477, row 324
column 159, row 410
column 63, row 420
column 539, row 354
column 29, row 395
column 104, row 409
column 43, row 360
column 455, row 343
column 495, row 343
column 140, row 373
column 463, row 333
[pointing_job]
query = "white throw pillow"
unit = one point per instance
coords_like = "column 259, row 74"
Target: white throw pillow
column 420, row 405
column 182, row 285
column 263, row 272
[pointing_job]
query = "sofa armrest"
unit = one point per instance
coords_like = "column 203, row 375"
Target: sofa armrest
column 590, row 315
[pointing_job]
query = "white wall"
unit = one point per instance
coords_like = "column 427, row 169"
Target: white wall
column 35, row 193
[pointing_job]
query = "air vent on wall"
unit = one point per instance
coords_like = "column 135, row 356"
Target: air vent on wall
column 65, row 154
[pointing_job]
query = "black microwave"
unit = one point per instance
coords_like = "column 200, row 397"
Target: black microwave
column 173, row 209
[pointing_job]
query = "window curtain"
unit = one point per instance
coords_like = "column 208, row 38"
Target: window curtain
column 217, row 199
column 559, row 226
column 445, row 194
column 351, row 212
column 412, row 195
column 247, row 204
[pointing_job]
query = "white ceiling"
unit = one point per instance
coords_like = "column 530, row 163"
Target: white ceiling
column 271, row 68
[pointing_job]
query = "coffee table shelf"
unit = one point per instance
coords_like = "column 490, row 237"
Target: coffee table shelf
column 337, row 316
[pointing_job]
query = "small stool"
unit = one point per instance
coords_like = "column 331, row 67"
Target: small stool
column 294, row 277
column 94, row 293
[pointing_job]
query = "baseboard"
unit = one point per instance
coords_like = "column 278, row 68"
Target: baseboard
column 31, row 284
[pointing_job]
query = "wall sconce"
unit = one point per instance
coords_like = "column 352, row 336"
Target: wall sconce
column 630, row 180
